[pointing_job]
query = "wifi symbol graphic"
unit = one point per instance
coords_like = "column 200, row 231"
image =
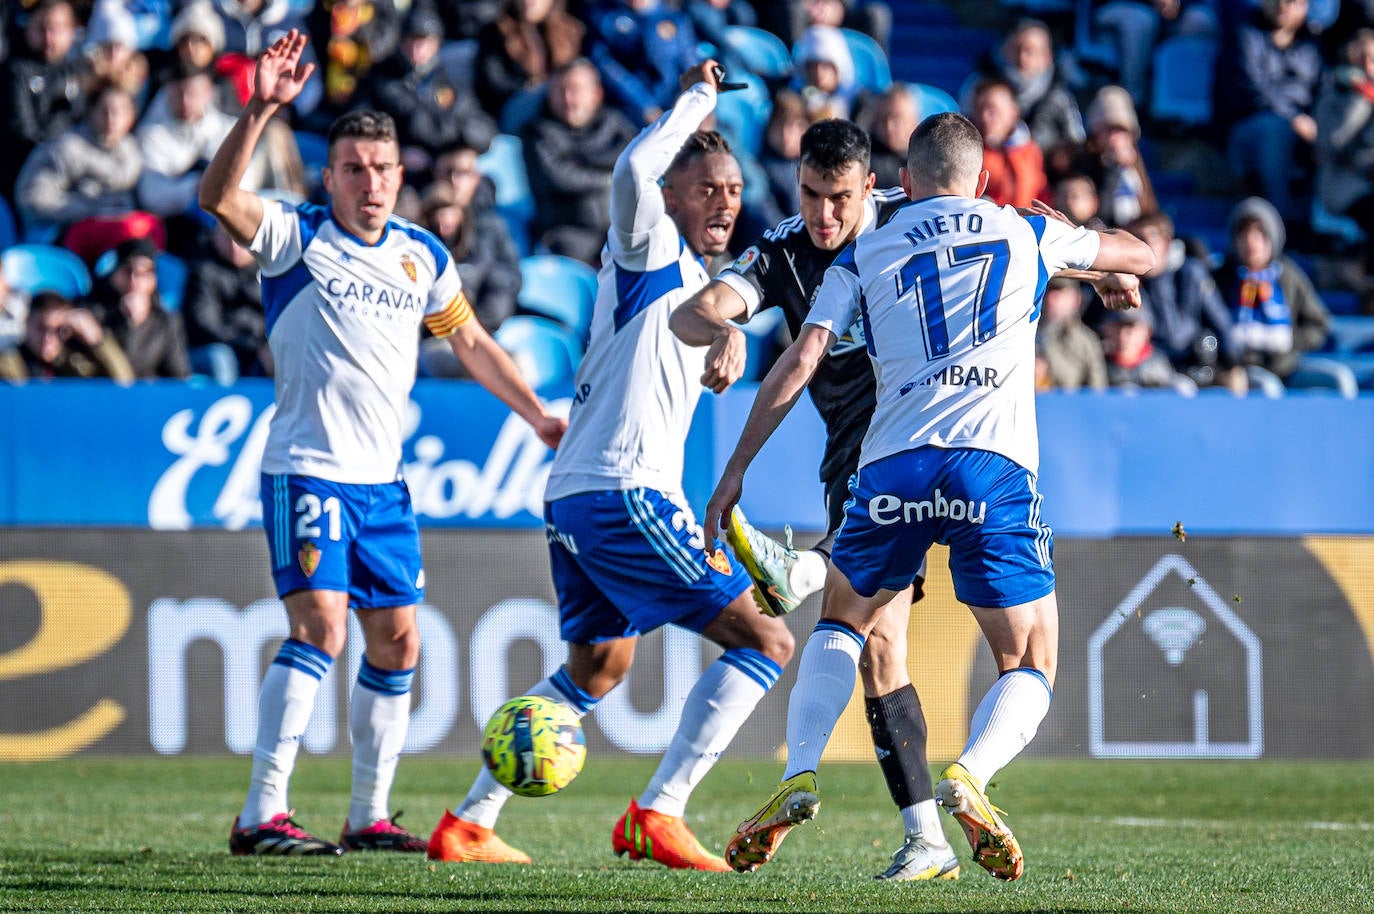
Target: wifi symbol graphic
column 1175, row 630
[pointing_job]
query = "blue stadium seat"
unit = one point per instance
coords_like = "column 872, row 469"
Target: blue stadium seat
column 1350, row 334
column 743, row 115
column 764, row 53
column 931, row 100
column 504, row 163
column 1323, row 373
column 559, row 288
column 314, row 149
column 1182, row 80
column 171, row 280
column 871, row 69
column 35, row 268
column 546, row 352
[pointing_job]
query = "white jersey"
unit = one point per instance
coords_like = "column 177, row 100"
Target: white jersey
column 343, row 324
column 949, row 293
column 638, row 384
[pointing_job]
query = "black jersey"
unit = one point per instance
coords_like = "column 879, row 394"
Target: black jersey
column 784, row 269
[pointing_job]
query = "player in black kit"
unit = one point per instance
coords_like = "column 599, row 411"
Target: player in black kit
column 783, row 269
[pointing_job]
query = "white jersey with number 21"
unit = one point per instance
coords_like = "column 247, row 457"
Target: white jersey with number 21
column 949, row 293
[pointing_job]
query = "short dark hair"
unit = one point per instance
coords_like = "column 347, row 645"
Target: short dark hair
column 363, row 124
column 945, row 150
column 701, row 143
column 986, row 84
column 829, row 146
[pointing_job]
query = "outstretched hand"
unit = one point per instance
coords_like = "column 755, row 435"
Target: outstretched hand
column 279, row 75
column 1119, row 291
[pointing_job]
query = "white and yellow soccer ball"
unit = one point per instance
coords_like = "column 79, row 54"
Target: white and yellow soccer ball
column 534, row 745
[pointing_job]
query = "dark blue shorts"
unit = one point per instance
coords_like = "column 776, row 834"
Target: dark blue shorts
column 625, row 563
column 358, row 539
column 980, row 504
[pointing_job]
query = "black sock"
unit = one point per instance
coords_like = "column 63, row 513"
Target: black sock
column 899, row 736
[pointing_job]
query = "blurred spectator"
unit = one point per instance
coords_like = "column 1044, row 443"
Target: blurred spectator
column 1345, row 145
column 112, row 48
column 570, row 150
column 178, row 135
column 1276, row 313
column 825, row 73
column 350, row 37
column 1075, row 195
column 1072, row 353
column 14, row 311
column 517, row 52
column 226, row 329
column 465, row 19
column 1265, row 88
column 792, row 17
column 127, row 303
column 45, row 93
column 494, row 287
column 1015, row 164
column 1134, row 27
column 1112, row 158
column 197, row 39
column 1192, row 326
column 63, row 341
column 1132, row 360
column 1025, row 59
column 641, row 47
column 487, row 262
column 780, row 156
column 432, row 108
column 91, row 170
column 895, row 116
column 710, row 19
column 250, row 27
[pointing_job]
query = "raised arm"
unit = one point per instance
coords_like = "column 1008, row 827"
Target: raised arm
column 278, row 79
column 636, row 197
column 702, row 320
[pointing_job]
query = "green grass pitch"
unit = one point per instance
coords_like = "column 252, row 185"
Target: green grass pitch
column 149, row 835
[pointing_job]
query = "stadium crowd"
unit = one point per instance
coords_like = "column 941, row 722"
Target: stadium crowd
column 511, row 114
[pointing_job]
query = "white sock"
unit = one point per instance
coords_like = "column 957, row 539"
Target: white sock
column 924, row 819
column 719, row 703
column 482, row 805
column 807, row 574
column 377, row 723
column 825, row 682
column 285, row 700
column 1005, row 721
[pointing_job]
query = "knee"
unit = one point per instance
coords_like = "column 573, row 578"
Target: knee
column 325, row 634
column 400, row 652
column 777, row 644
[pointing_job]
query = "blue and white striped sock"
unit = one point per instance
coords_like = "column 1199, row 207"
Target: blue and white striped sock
column 285, row 700
column 718, row 705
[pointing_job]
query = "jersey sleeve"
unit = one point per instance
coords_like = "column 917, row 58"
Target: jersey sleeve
column 1064, row 246
column 748, row 275
column 448, row 308
column 277, row 244
column 838, row 302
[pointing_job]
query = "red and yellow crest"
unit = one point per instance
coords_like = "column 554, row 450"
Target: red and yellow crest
column 309, row 557
column 409, row 266
column 719, row 561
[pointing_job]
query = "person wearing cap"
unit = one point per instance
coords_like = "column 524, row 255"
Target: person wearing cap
column 1112, row 158
column 111, row 46
column 432, row 107
column 1072, row 352
column 128, row 305
column 824, row 73
column 197, row 41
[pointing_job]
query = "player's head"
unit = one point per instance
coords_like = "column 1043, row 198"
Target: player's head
column 701, row 191
column 945, row 156
column 834, row 182
column 363, row 174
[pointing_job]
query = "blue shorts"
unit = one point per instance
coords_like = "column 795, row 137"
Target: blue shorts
column 980, row 504
column 358, row 539
column 625, row 563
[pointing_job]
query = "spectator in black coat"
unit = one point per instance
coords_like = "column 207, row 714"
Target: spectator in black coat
column 517, row 52
column 570, row 150
column 223, row 311
column 45, row 88
column 432, row 107
column 129, row 306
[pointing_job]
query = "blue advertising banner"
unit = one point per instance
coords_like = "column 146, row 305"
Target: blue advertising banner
column 171, row 456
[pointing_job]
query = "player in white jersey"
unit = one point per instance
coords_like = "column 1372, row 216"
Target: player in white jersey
column 626, row 552
column 346, row 289
column 948, row 293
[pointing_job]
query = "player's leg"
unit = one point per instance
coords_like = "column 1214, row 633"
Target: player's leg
column 311, row 574
column 898, row 726
column 386, row 582
column 782, row 576
column 1003, row 570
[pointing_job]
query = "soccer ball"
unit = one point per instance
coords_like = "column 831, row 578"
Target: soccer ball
column 534, row 745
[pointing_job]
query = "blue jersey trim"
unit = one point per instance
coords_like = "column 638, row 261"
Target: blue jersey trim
column 830, row 626
column 1042, row 277
column 385, row 682
column 304, row 657
column 432, row 244
column 753, row 664
column 658, row 536
column 278, row 291
column 635, row 290
column 1031, row 671
column 845, row 260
